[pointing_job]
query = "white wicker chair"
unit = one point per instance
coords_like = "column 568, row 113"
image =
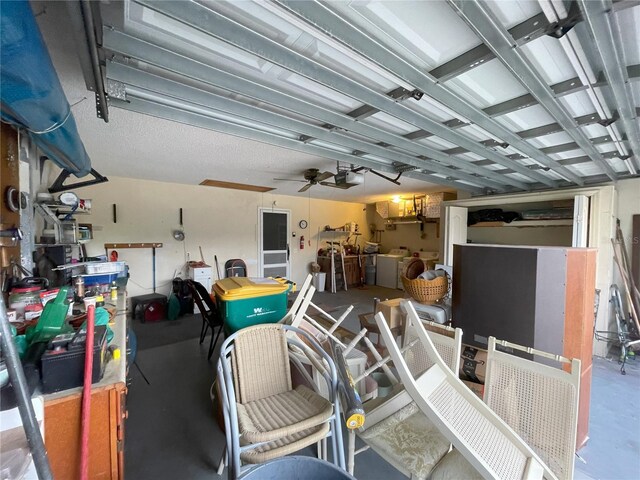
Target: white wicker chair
column 395, row 428
column 490, row 446
column 538, row 400
column 265, row 417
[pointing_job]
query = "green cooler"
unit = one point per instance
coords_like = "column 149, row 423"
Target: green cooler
column 250, row 301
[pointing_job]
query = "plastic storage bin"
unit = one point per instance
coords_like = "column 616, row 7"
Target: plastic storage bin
column 99, row 278
column 105, row 267
column 245, row 301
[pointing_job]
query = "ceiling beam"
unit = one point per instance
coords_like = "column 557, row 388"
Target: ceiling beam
column 217, row 25
column 335, row 26
column 162, row 108
column 482, row 21
column 525, row 32
column 522, row 33
column 564, row 161
column 603, row 28
column 139, row 83
column 165, row 59
column 560, row 89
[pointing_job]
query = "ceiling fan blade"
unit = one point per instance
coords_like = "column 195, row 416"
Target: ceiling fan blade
column 333, row 185
column 306, row 187
column 324, row 176
column 289, row 180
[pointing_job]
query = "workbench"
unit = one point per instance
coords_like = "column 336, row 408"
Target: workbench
column 62, row 416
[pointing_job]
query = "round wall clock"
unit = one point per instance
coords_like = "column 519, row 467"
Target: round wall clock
column 302, row 224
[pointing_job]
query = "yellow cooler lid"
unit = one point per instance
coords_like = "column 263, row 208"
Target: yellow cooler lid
column 235, row 288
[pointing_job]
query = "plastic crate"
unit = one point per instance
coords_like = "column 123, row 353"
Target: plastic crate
column 105, row 267
column 99, row 278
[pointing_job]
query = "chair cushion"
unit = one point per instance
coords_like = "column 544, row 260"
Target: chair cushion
column 408, row 441
column 454, row 467
column 282, row 415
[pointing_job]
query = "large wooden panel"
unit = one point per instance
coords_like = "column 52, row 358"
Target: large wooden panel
column 62, row 435
column 578, row 327
column 9, row 177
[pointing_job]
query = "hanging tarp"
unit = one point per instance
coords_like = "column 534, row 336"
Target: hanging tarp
column 31, row 95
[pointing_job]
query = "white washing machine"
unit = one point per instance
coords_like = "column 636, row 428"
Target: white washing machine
column 387, row 267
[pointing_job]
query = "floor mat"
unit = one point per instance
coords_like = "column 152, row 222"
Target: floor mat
column 166, row 332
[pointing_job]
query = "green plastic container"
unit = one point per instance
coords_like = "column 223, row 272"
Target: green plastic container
column 244, row 302
column 52, row 320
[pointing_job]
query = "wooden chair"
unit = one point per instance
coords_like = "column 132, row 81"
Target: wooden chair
column 211, row 317
column 490, row 445
column 265, row 417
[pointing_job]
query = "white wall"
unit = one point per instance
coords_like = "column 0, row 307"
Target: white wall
column 628, row 205
column 222, row 221
column 404, row 235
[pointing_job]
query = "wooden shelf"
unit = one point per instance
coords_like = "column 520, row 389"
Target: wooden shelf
column 527, row 223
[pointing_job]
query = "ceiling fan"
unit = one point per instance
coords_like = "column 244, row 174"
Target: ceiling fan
column 312, row 176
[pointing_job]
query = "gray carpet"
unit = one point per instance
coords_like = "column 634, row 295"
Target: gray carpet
column 166, row 332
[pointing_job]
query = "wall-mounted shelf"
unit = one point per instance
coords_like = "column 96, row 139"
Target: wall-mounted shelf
column 527, row 223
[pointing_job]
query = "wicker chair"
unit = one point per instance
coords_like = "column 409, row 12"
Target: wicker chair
column 539, row 401
column 486, row 442
column 265, row 418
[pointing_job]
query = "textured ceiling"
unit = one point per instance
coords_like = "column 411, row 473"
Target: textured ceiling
column 492, row 117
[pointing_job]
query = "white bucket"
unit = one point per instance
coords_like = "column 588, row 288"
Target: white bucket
column 319, row 280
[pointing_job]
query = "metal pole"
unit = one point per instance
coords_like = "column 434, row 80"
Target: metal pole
column 16, row 375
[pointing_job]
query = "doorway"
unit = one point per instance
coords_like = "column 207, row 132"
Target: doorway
column 273, row 242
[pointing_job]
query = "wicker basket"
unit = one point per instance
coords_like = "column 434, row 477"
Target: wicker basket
column 413, row 268
column 426, row 291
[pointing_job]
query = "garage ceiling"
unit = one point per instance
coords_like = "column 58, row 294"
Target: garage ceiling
column 478, row 96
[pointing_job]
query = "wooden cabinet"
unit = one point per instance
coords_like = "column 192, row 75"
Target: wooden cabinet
column 351, row 269
column 106, row 442
column 62, row 417
column 540, row 297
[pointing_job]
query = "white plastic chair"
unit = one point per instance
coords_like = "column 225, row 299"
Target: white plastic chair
column 538, row 400
column 492, row 448
column 395, row 428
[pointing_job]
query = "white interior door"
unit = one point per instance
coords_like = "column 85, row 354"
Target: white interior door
column 580, row 221
column 455, row 231
column 273, row 242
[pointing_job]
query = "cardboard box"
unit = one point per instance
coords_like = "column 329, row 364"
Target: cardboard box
column 392, row 313
column 473, row 364
column 476, row 388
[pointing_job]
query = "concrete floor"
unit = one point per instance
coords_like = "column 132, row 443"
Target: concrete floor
column 172, row 433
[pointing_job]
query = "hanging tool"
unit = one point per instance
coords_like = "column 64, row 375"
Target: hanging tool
column 215, row 258
column 86, row 393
